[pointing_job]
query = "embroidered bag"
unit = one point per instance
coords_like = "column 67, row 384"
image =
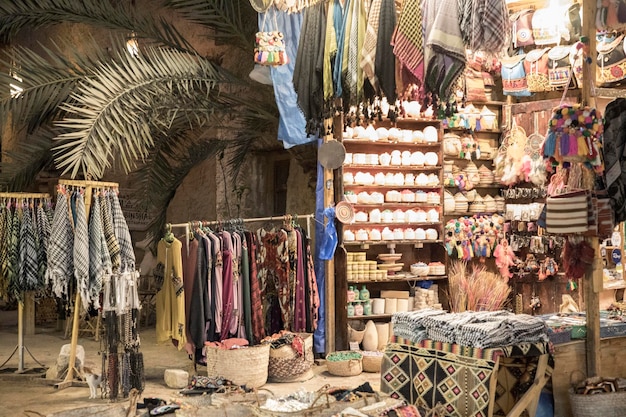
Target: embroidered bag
column 559, row 69
column 269, row 46
column 514, row 77
column 611, row 59
column 522, row 29
column 474, row 86
column 536, row 67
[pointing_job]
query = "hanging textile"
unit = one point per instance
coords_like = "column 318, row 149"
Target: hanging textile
column 307, row 74
column 96, row 266
column 319, row 336
column 408, row 40
column 354, row 44
column 368, row 52
column 60, row 259
column 122, row 234
column 484, row 24
column 444, row 51
column 81, row 249
column 385, row 62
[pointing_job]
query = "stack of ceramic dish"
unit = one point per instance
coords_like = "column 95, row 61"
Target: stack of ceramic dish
column 389, row 262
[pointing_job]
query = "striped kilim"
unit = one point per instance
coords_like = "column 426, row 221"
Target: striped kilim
column 60, row 258
column 81, row 250
column 96, row 269
column 28, row 274
column 368, row 52
column 12, row 253
column 43, row 237
column 127, row 254
column 109, row 233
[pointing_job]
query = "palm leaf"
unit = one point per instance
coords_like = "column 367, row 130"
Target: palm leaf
column 21, row 165
column 17, row 15
column 113, row 112
column 232, row 21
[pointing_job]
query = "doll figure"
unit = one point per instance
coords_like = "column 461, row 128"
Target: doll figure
column 505, row 258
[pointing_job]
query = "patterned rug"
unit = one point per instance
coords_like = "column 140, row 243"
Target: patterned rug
column 431, row 373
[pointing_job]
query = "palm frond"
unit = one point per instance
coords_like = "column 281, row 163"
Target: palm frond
column 17, row 15
column 112, row 114
column 232, row 21
column 21, row 165
column 46, row 81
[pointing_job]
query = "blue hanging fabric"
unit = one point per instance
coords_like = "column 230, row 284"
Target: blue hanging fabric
column 319, row 335
column 291, row 123
column 329, row 242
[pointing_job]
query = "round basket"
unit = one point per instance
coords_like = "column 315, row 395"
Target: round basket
column 351, row 366
column 245, row 366
column 286, row 365
column 593, row 405
column 372, row 361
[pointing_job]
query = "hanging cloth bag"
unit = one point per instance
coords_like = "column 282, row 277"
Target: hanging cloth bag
column 269, row 46
column 536, row 68
column 522, row 28
column 560, row 70
column 611, row 59
column 514, row 76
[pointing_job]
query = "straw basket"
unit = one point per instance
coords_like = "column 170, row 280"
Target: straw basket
column 372, row 361
column 245, row 366
column 594, row 405
column 351, row 366
column 285, row 365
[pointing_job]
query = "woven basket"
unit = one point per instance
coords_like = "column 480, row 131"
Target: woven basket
column 245, row 366
column 350, row 367
column 595, row 405
column 372, row 363
column 285, row 365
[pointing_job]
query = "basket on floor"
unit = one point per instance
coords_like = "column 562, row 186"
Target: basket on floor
column 372, row 361
column 344, row 363
column 287, row 365
column 594, row 405
column 246, row 366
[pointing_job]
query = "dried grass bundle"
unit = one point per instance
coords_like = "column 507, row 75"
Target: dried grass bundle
column 479, row 290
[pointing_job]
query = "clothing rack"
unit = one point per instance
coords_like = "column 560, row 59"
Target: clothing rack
column 89, row 186
column 294, row 217
column 21, row 347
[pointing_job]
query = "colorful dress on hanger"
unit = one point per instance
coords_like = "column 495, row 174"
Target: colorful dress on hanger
column 170, row 300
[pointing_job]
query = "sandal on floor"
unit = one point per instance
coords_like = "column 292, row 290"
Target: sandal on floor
column 164, row 409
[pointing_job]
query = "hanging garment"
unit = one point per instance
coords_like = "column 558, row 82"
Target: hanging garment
column 246, row 298
column 28, row 277
column 218, row 288
column 237, row 275
column 81, row 250
column 313, row 293
column 190, row 269
column 96, row 267
column 444, row 52
column 273, row 263
column 484, row 24
column 227, row 281
column 258, row 324
column 319, row 336
column 385, row 62
column 109, row 233
column 122, row 234
column 291, row 123
column 354, row 44
column 368, row 52
column 4, row 229
column 613, row 149
column 307, row 74
column 60, row 259
column 13, row 253
column 170, row 300
column 299, row 295
column 43, row 237
column 200, row 308
column 408, row 40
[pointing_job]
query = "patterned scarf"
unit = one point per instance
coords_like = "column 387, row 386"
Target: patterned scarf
column 28, row 277
column 368, row 53
column 408, row 42
column 385, row 62
column 122, row 234
column 109, row 234
column 81, row 250
column 3, row 240
column 340, row 22
column 13, row 253
column 354, row 73
column 60, row 260
column 43, row 237
column 96, row 269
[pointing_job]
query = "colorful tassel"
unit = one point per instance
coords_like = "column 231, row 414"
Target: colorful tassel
column 549, row 145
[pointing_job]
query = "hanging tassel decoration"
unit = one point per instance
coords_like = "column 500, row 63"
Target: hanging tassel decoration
column 549, row 145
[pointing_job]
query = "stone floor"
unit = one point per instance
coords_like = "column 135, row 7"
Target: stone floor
column 31, row 395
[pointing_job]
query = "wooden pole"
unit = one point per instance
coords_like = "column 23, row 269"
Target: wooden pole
column 329, row 287
column 593, row 279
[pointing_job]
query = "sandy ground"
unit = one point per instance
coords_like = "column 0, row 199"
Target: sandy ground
column 30, row 395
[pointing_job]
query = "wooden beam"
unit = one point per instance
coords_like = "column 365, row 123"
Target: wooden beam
column 593, row 286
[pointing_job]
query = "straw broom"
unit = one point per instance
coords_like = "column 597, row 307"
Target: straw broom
column 479, row 290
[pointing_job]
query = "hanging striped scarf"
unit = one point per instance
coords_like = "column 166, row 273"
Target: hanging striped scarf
column 122, row 234
column 408, row 42
column 3, row 235
column 96, row 269
column 354, row 43
column 28, row 277
column 81, row 250
column 109, row 234
column 13, row 253
column 60, row 259
column 43, row 238
column 368, row 53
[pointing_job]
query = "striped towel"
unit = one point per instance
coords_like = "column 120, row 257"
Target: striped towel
column 60, row 259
